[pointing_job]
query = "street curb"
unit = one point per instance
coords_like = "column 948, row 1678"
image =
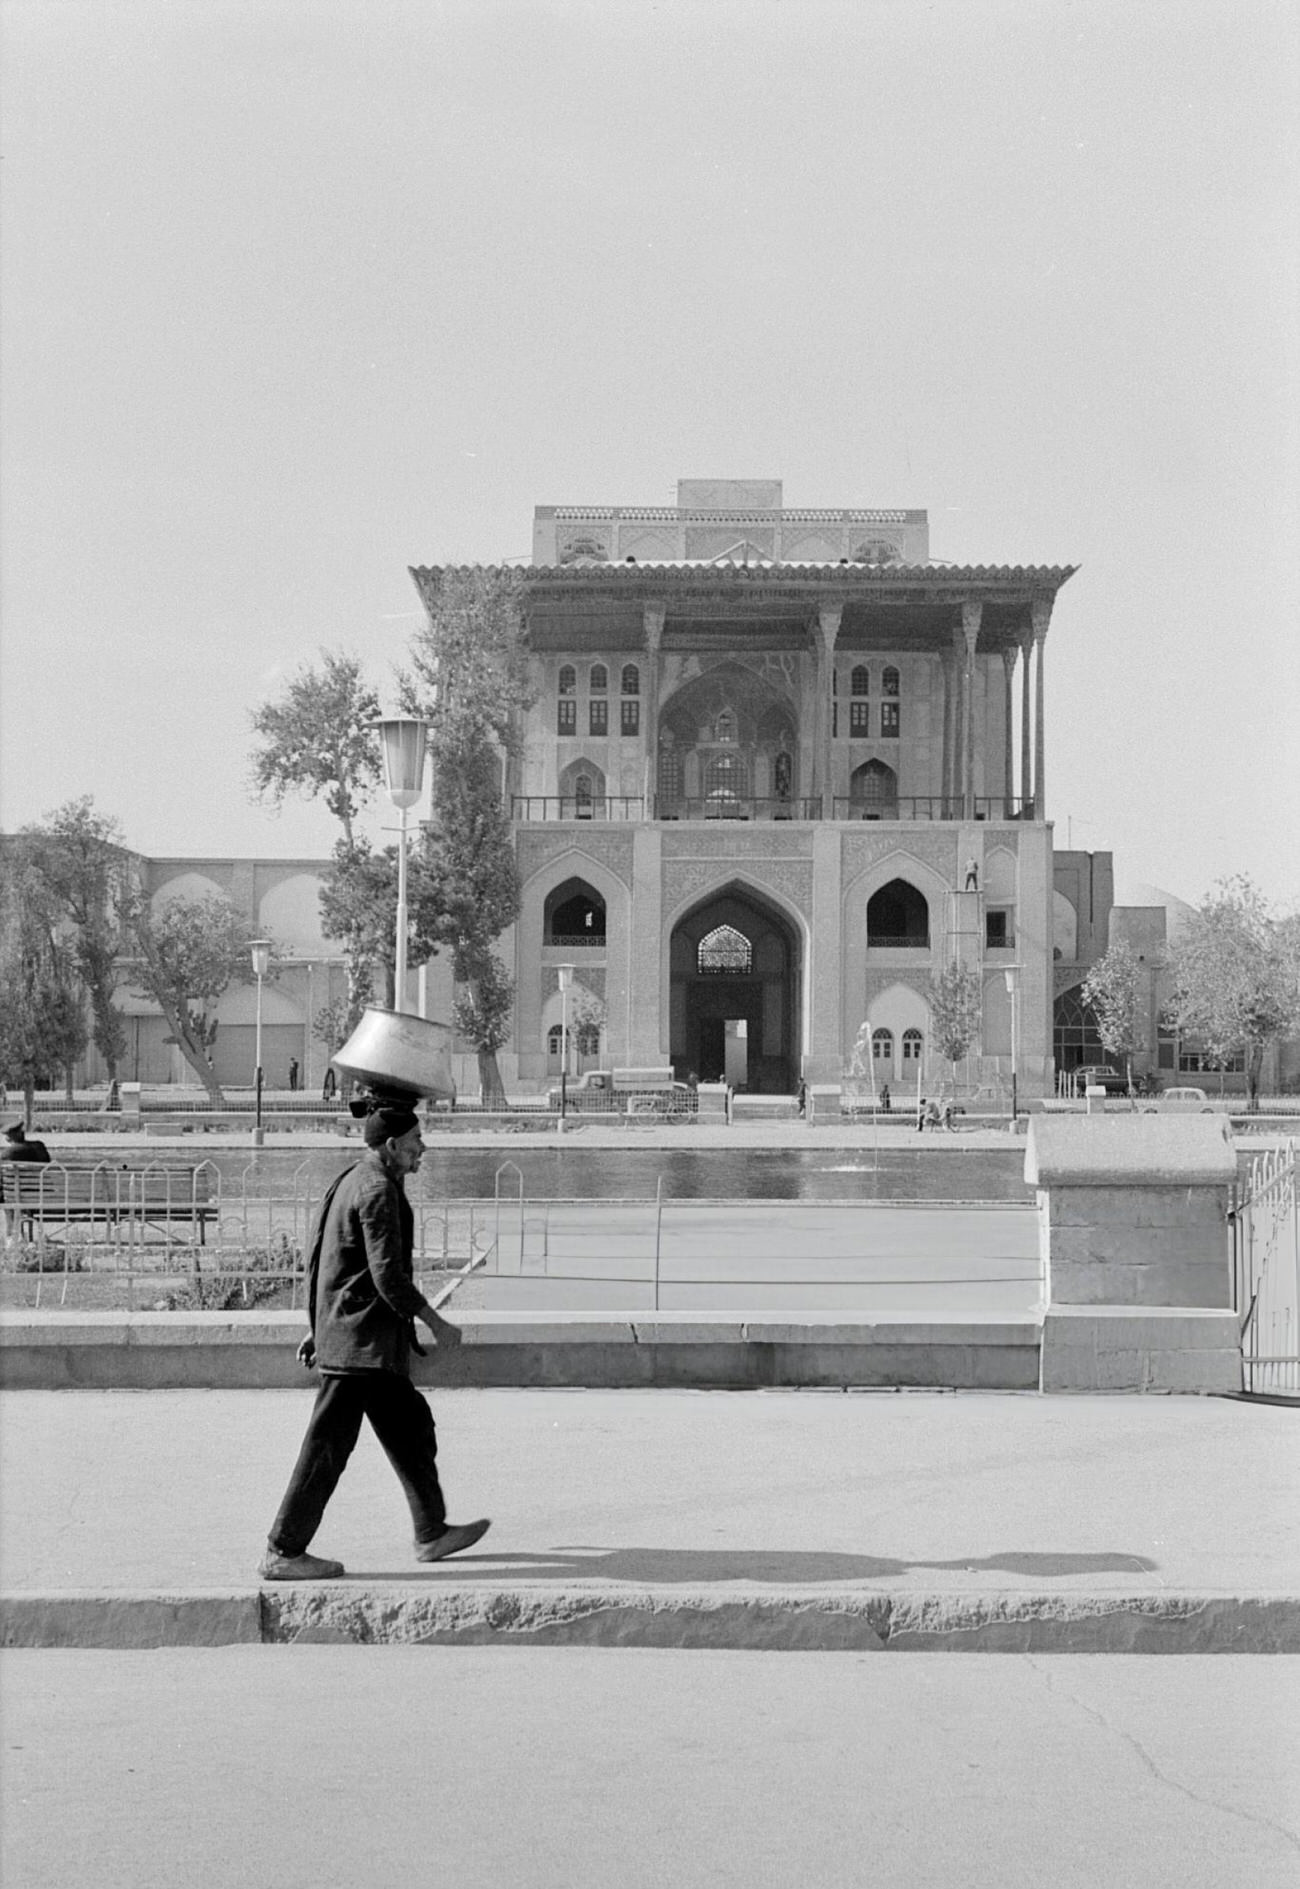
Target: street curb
column 758, row 1619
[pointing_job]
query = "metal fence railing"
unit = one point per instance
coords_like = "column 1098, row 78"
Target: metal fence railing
column 1266, row 1273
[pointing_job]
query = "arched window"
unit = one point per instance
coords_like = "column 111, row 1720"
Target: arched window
column 898, row 916
column 574, row 914
column 873, row 791
column 631, row 679
column 859, row 707
column 882, row 1047
column 586, row 1037
column 913, row 1043
column 568, row 679
column 670, row 778
column 598, row 681
column 582, row 795
column 725, row 952
column 889, row 716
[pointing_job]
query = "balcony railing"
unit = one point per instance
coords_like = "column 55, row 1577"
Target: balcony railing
column 891, row 941
column 572, row 807
column 737, row 807
column 935, row 807
column 575, row 940
column 632, row 808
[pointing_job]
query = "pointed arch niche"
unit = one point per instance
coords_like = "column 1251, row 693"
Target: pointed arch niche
column 735, row 964
column 728, row 747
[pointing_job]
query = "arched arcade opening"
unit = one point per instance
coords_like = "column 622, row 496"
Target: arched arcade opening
column 735, row 994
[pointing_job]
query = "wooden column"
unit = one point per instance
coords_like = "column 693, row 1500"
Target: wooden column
column 1008, row 747
column 971, row 611
column 652, row 615
column 1026, row 753
column 828, row 628
column 1042, row 610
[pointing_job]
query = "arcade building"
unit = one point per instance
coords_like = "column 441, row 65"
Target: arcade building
column 780, row 767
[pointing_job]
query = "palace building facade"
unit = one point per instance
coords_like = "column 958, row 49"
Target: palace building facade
column 780, row 767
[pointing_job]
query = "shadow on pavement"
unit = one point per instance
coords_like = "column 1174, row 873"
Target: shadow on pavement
column 708, row 1565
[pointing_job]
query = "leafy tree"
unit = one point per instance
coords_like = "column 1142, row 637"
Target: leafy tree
column 469, row 679
column 1236, row 977
column 80, row 858
column 319, row 740
column 42, row 1015
column 1117, row 992
column 469, row 672
column 956, row 1008
column 189, row 950
column 467, row 893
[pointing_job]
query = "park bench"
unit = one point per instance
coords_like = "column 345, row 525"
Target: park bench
column 38, row 1196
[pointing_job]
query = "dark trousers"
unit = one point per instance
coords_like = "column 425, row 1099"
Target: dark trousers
column 400, row 1418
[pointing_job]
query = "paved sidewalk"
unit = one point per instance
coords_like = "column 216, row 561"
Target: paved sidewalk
column 671, row 1518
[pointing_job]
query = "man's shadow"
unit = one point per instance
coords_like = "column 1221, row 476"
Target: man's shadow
column 712, row 1566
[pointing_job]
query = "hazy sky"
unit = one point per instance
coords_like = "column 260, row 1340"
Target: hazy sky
column 299, row 293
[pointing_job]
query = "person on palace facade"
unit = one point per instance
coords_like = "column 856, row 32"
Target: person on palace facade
column 362, row 1303
column 972, row 876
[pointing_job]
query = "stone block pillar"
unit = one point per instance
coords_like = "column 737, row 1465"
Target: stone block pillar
column 1133, row 1214
column 653, row 617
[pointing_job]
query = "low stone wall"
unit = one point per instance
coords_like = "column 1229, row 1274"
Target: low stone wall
column 218, row 1350
column 1133, row 1216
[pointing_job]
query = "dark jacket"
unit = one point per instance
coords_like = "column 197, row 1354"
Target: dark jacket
column 361, row 1291
column 24, row 1151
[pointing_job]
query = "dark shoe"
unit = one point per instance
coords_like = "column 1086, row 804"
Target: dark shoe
column 451, row 1541
column 298, row 1567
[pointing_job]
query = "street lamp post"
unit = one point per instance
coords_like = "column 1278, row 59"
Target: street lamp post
column 260, row 949
column 565, row 972
column 1012, row 975
column 405, row 741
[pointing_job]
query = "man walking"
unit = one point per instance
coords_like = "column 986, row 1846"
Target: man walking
column 362, row 1303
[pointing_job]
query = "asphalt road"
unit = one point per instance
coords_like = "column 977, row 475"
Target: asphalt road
column 338, row 1768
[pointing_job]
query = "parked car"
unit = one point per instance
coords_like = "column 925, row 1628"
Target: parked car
column 1184, row 1101
column 1100, row 1075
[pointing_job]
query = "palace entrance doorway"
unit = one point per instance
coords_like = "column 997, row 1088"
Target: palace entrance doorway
column 735, row 994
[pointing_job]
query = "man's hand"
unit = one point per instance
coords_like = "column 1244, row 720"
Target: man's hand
column 446, row 1336
column 306, row 1353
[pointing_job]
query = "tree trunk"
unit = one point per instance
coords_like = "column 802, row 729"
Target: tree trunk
column 68, row 1095
column 29, row 1101
column 492, row 1090
column 194, row 1053
column 1254, row 1063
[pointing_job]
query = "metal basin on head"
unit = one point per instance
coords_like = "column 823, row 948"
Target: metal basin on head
column 391, row 1050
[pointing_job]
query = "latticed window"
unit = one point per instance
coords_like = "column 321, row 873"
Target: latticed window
column 599, row 679
column 598, row 715
column 566, row 716
column 913, row 1043
column 670, row 775
column 582, row 794
column 568, row 679
column 890, row 722
column 631, row 679
column 727, row 777
column 882, row 1046
column 724, row 728
column 725, row 952
column 860, row 681
column 630, row 715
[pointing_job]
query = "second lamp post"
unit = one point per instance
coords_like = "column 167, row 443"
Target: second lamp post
column 405, row 742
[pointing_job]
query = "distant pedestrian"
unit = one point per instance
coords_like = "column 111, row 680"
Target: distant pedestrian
column 293, row 1074
column 803, row 1096
column 329, row 1088
column 920, row 1114
column 18, row 1148
column 885, row 1104
column 362, row 1303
